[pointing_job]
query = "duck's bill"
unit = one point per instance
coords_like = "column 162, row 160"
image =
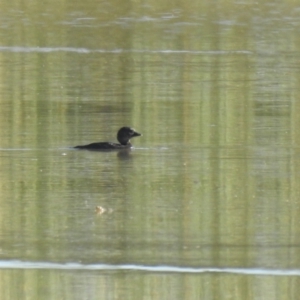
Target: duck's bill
column 137, row 134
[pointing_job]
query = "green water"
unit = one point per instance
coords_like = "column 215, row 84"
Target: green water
column 213, row 182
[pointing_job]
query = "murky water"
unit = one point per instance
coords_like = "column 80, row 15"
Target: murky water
column 206, row 206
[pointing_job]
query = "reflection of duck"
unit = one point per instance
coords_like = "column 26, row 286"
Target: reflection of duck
column 124, row 136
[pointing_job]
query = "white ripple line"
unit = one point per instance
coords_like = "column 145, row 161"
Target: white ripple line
column 17, row 264
column 85, row 50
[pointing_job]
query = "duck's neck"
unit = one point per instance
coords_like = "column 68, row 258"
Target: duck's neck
column 124, row 142
column 128, row 145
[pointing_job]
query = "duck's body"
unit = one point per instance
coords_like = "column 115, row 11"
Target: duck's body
column 124, row 136
column 104, row 146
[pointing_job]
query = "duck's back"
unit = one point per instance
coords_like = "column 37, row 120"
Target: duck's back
column 103, row 146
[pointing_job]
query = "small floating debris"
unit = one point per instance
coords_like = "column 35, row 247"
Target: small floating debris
column 100, row 210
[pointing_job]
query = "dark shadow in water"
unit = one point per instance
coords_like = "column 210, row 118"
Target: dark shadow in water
column 124, row 154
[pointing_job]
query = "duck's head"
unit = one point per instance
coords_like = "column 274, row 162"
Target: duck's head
column 125, row 134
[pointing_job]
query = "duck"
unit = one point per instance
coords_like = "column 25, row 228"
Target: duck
column 124, row 135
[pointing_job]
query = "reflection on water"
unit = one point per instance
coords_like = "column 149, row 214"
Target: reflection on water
column 207, row 200
column 94, row 281
column 117, row 51
column 8, row 264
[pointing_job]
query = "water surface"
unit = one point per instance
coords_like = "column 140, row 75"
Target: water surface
column 205, row 206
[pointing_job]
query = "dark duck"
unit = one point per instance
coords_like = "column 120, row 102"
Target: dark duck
column 124, row 135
